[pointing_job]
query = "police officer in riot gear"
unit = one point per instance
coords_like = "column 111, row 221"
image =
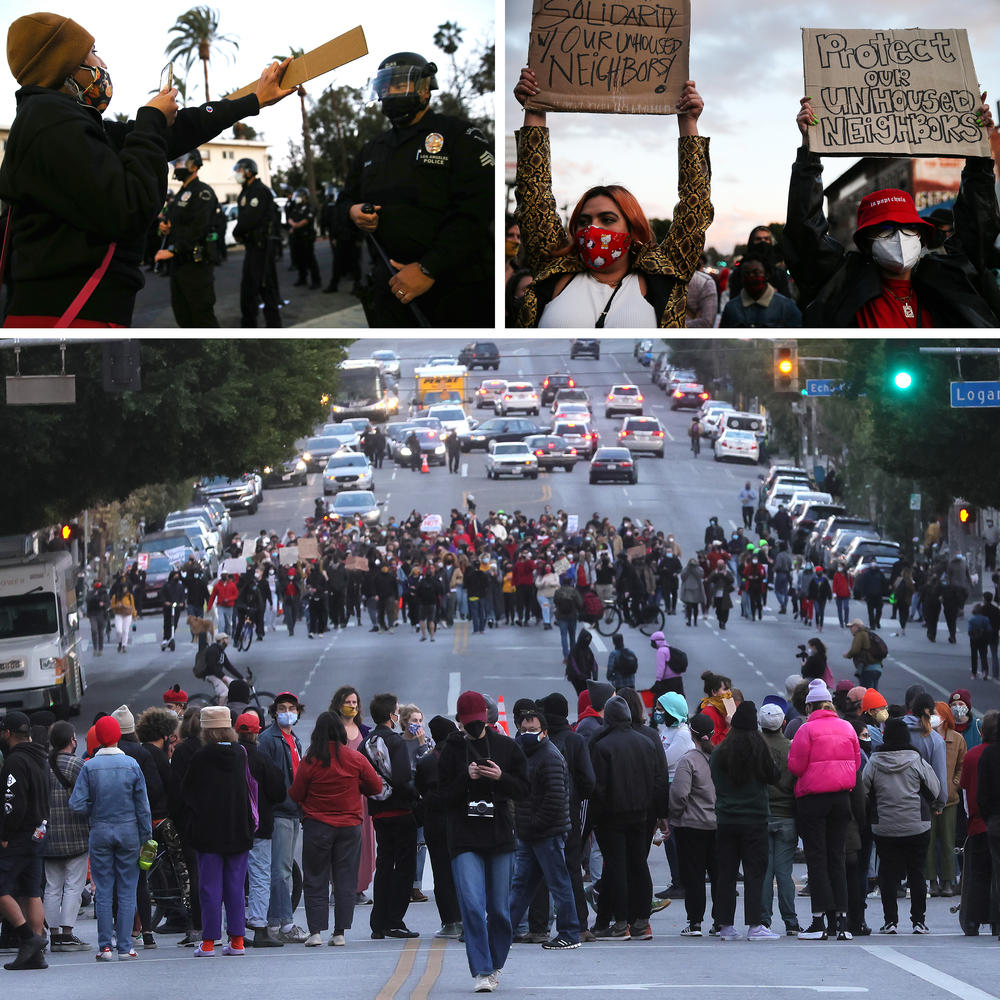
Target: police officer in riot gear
column 191, row 245
column 422, row 192
column 300, row 217
column 256, row 226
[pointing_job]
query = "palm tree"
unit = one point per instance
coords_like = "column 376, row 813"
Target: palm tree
column 196, row 34
column 306, row 133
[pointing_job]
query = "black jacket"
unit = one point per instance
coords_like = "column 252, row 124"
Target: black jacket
column 79, row 183
column 24, row 780
column 545, row 811
column 834, row 284
column 217, row 801
column 255, row 218
column 457, row 789
column 98, row 602
column 574, row 748
column 192, row 218
column 630, row 775
column 155, row 791
column 404, row 793
column 426, row 780
column 988, row 777
column 158, row 804
column 270, row 788
column 180, row 761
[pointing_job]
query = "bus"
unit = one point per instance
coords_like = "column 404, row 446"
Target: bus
column 361, row 391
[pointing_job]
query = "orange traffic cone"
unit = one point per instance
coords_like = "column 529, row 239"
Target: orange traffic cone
column 502, row 716
column 424, row 467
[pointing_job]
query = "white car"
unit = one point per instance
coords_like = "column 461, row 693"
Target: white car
column 511, row 458
column 782, row 495
column 517, row 397
column 710, row 417
column 742, row 445
column 642, row 434
column 348, row 470
column 213, row 538
column 452, row 418
column 489, row 391
column 388, row 361
column 623, row 399
column 572, row 411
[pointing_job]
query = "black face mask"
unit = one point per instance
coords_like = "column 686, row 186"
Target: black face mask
column 475, row 728
column 401, row 109
column 181, row 174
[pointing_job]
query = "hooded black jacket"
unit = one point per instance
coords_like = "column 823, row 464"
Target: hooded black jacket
column 24, row 780
column 217, row 801
column 79, row 183
column 545, row 811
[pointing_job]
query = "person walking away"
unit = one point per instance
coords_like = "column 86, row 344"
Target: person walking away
column 257, row 229
column 667, row 678
column 669, row 721
column 903, row 590
column 825, row 757
column 23, row 826
column 928, row 743
column 742, row 769
column 581, row 664
column 694, row 433
column 220, row 807
column 692, row 590
column 867, row 670
column 98, row 607
column 329, row 786
column 940, row 869
column 747, row 501
column 980, row 631
column 897, row 784
column 481, row 774
column 782, row 837
column 568, row 604
column 623, row 663
column 111, row 791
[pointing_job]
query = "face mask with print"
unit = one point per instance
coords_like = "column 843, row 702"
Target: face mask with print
column 98, row 93
column 960, row 710
column 897, row 254
column 600, row 248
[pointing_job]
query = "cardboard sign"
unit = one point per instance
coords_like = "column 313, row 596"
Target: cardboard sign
column 892, row 93
column 234, row 567
column 142, row 561
column 177, row 555
column 356, row 562
column 289, row 555
column 338, row 51
column 636, row 552
column 308, row 548
column 572, row 523
column 561, row 566
column 623, row 58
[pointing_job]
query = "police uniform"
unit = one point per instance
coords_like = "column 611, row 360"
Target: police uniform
column 301, row 242
column 194, row 242
column 254, row 221
column 434, row 181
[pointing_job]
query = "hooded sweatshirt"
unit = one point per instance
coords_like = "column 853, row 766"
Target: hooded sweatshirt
column 676, row 741
column 892, row 781
column 932, row 749
column 663, row 671
column 692, row 792
column 25, row 789
column 217, row 800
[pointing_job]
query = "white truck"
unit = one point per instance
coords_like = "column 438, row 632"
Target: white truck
column 39, row 634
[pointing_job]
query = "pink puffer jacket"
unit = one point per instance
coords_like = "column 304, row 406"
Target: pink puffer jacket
column 824, row 755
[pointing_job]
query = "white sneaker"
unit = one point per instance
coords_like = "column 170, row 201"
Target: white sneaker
column 314, row 941
column 761, row 933
column 337, row 940
column 484, row 984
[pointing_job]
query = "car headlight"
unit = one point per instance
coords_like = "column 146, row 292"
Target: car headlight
column 267, row 470
column 47, row 663
column 336, row 409
column 439, row 450
column 404, row 451
column 307, row 456
column 300, row 466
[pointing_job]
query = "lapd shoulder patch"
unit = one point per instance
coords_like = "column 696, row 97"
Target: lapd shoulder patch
column 205, row 195
column 434, row 142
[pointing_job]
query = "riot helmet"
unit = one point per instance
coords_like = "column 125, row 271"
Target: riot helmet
column 245, row 169
column 183, row 164
column 399, row 86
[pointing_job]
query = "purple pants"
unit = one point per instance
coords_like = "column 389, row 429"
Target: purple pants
column 221, row 879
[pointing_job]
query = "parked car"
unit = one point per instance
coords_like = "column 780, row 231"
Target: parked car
column 673, row 377
column 614, row 464
column 348, row 470
column 834, row 527
column 158, row 569
column 480, row 354
column 782, row 494
column 500, row 429
column 837, row 547
column 884, row 553
column 237, row 493
column 578, row 433
column 779, row 471
column 642, row 434
column 710, row 417
column 642, row 351
column 804, row 516
column 659, row 366
column 687, row 396
column 519, row 397
column 172, row 541
column 291, row 472
column 740, row 445
column 356, row 505
column 585, row 347
column 489, row 391
column 553, row 452
column 623, row 399
column 551, row 384
column 511, row 458
column 198, row 523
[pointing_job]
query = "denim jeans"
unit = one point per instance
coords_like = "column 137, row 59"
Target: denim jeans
column 284, row 840
column 226, row 619
column 461, row 602
column 260, row 882
column 114, row 867
column 544, row 859
column 567, row 633
column 843, row 610
column 546, row 605
column 477, row 610
column 482, row 882
column 781, row 840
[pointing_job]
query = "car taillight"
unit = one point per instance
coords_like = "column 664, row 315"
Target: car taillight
column 639, row 397
column 506, row 395
column 571, row 384
column 678, row 394
column 703, row 395
column 657, row 434
column 551, row 446
column 626, row 434
column 610, row 397
column 538, row 451
column 625, row 464
column 571, row 451
column 545, row 384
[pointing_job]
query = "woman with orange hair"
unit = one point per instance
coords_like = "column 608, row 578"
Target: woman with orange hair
column 941, row 873
column 608, row 270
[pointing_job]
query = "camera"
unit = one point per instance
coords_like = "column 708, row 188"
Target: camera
column 481, row 809
column 802, row 654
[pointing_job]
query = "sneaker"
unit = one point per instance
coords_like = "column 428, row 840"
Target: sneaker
column 887, row 929
column 560, row 943
column 641, row 931
column 71, row 942
column 200, row 952
column 762, row 933
column 532, row 937
column 816, row 931
column 843, row 931
column 314, row 940
column 294, row 935
column 105, row 955
column 484, row 984
column 792, row 930
column 148, row 941
column 362, row 900
column 713, row 931
column 613, row 932
column 729, row 933
column 191, row 939
column 337, row 941
column 416, row 896
column 124, row 956
column 230, row 949
column 451, row 931
column 919, row 927
column 692, row 930
column 659, row 904
column 495, row 977
column 587, row 937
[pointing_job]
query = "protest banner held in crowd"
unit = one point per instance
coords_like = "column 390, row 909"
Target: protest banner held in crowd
column 621, row 58
column 892, row 93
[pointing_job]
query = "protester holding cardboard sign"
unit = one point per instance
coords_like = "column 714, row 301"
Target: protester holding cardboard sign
column 891, row 280
column 83, row 190
column 608, row 270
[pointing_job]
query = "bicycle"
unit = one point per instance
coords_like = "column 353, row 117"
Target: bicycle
column 261, row 699
column 244, row 632
column 649, row 619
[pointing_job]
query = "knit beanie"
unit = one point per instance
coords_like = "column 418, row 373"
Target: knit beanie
column 554, row 704
column 872, row 700
column 617, row 711
column 43, row 49
column 745, row 716
column 600, row 692
column 441, row 728
column 124, row 719
column 107, row 732
column 818, row 691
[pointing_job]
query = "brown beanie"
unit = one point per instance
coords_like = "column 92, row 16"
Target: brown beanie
column 43, row 49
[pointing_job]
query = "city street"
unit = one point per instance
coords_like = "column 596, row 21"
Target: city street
column 677, row 494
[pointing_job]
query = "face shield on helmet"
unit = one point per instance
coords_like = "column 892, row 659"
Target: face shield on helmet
column 402, row 88
column 245, row 170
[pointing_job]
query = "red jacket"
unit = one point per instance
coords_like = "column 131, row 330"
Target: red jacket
column 524, row 573
column 224, row 593
column 840, row 585
column 332, row 794
column 969, row 783
column 824, row 755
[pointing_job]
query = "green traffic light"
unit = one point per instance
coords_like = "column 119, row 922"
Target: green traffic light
column 902, row 380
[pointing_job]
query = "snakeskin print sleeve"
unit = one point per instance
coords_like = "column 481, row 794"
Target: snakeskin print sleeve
column 541, row 229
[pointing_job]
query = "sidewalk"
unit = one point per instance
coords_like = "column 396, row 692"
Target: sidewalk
column 352, row 317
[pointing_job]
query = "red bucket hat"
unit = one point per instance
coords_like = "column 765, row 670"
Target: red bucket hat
column 889, row 205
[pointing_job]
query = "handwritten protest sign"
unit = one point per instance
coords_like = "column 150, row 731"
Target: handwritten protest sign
column 288, row 555
column 892, row 93
column 356, row 562
column 635, row 552
column 599, row 55
column 561, row 566
column 308, row 549
column 233, row 567
column 572, row 523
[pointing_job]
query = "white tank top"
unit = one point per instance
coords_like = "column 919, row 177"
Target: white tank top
column 581, row 302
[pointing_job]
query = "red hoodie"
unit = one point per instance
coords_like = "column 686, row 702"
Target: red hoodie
column 524, row 573
column 225, row 593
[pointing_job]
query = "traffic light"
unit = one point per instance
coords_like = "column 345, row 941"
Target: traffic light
column 967, row 516
column 786, row 366
column 901, row 372
column 69, row 531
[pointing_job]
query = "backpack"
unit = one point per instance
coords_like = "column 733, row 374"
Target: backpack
column 879, row 650
column 593, row 606
column 563, row 602
column 678, row 661
column 628, row 663
column 378, row 753
column 200, row 668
